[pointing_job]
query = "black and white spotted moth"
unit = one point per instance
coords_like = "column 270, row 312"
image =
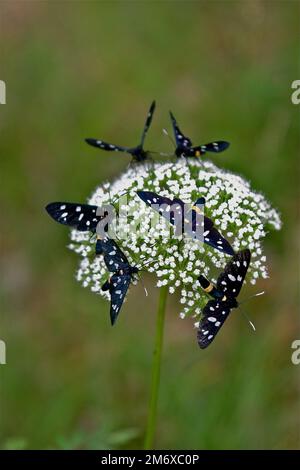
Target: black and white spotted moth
column 184, row 145
column 224, row 294
column 138, row 153
column 85, row 217
column 173, row 210
column 123, row 273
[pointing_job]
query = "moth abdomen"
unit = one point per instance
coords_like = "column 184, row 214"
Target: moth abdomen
column 209, row 288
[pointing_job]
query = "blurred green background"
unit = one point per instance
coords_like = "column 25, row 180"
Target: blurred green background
column 76, row 69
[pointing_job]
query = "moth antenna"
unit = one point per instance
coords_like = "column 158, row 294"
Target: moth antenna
column 164, row 154
column 119, row 195
column 144, row 265
column 259, row 293
column 248, row 319
column 117, row 198
column 144, row 287
column 168, row 135
column 151, row 246
column 251, row 297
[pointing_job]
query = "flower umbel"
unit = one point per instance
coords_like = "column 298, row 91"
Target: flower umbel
column 242, row 215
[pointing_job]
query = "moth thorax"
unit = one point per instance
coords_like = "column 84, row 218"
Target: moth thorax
column 180, row 152
column 99, row 249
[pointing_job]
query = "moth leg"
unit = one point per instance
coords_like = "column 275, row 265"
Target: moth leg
column 106, row 285
column 98, row 247
column 132, row 164
column 151, row 163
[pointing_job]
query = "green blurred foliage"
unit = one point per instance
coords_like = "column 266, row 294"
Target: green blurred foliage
column 90, row 69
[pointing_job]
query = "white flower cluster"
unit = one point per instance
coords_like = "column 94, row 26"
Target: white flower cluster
column 242, row 215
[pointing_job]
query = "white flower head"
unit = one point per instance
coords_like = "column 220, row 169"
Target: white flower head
column 242, row 215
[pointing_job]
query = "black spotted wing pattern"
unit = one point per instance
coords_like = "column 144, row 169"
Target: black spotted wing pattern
column 118, row 284
column 148, row 122
column 169, row 208
column 180, row 138
column 106, row 146
column 184, row 145
column 165, row 206
column 118, row 287
column 83, row 217
column 229, row 284
column 213, row 238
column 231, row 279
column 214, row 315
column 138, row 153
column 214, row 147
column 114, row 257
column 209, row 234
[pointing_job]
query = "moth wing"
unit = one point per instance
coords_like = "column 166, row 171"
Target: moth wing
column 180, row 138
column 114, row 257
column 119, row 285
column 150, row 198
column 148, row 121
column 213, row 238
column 202, row 228
column 171, row 209
column 106, row 146
column 232, row 278
column 83, row 217
column 215, row 147
column 213, row 317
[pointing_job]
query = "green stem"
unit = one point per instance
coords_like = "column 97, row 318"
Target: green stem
column 151, row 424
